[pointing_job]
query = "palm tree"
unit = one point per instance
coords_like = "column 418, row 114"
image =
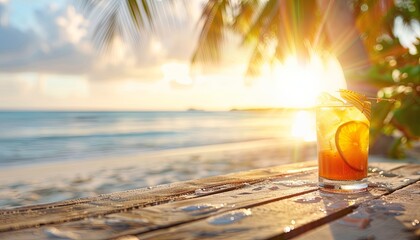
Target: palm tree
column 359, row 32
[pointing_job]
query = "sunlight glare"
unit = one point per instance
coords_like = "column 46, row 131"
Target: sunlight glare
column 304, row 126
column 298, row 86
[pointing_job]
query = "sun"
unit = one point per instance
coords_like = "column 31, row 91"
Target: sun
column 297, row 85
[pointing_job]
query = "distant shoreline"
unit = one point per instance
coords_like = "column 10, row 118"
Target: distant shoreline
column 154, row 110
column 270, row 109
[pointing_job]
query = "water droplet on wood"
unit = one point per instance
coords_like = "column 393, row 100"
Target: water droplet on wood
column 55, row 233
column 387, row 174
column 308, row 200
column 244, row 193
column 230, row 217
column 294, row 183
column 196, row 207
column 128, row 237
column 373, row 170
column 201, row 208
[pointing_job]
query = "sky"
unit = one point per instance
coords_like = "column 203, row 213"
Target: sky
column 49, row 61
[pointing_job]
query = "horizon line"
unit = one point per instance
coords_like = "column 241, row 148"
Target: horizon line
column 233, row 109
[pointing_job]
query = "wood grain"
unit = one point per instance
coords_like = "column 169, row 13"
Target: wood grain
column 178, row 212
column 19, row 218
column 394, row 216
column 289, row 217
column 152, row 220
column 278, row 208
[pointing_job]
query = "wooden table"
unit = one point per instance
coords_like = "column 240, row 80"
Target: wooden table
column 273, row 203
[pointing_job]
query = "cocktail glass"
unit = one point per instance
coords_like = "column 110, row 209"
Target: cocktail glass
column 343, row 144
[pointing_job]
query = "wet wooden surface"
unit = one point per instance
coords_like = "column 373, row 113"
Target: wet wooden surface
column 274, row 203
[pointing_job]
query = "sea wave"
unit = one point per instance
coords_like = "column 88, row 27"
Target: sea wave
column 32, row 137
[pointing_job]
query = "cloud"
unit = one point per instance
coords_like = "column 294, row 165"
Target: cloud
column 61, row 44
column 74, row 25
column 16, row 44
column 47, row 49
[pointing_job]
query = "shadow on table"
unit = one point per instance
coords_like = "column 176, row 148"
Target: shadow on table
column 373, row 219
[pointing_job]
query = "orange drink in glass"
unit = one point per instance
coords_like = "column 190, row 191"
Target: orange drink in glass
column 343, row 143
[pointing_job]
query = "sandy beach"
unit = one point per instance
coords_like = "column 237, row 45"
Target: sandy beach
column 48, row 182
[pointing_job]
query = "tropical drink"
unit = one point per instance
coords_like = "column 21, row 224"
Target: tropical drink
column 343, row 143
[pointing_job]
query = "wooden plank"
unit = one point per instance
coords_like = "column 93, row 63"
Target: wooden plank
column 160, row 216
column 285, row 218
column 214, row 182
column 160, row 190
column 31, row 216
column 386, row 179
column 169, row 214
column 395, row 216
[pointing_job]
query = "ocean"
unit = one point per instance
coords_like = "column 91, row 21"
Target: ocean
column 30, row 137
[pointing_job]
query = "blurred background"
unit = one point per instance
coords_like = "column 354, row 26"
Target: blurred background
column 96, row 82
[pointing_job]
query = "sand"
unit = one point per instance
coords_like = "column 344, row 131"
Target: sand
column 49, row 182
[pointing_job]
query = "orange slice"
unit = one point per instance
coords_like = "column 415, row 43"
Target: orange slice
column 352, row 141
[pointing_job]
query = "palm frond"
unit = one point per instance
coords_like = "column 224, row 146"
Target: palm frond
column 104, row 34
column 87, row 5
column 279, row 29
column 211, row 37
column 244, row 15
column 135, row 13
column 260, row 35
column 255, row 62
column 126, row 19
column 265, row 18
